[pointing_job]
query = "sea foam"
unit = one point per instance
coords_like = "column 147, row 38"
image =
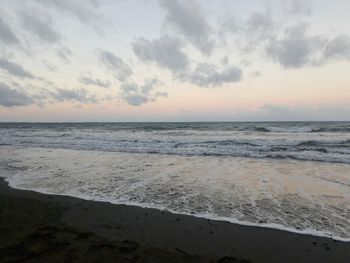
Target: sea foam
column 299, row 196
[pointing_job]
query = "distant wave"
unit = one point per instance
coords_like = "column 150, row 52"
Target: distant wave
column 334, row 129
column 290, row 144
column 335, row 152
column 261, row 129
column 290, row 127
column 301, row 129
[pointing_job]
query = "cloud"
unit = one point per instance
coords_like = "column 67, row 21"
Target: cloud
column 258, row 29
column 11, row 97
column 207, row 75
column 291, row 47
column 51, row 67
column 296, row 49
column 40, row 25
column 84, row 11
column 230, row 24
column 250, row 34
column 165, row 51
column 6, row 34
column 87, row 79
column 64, row 53
column 255, row 74
column 116, row 64
column 338, row 48
column 79, row 95
column 261, row 25
column 297, row 7
column 186, row 18
column 225, row 60
column 15, row 69
column 137, row 95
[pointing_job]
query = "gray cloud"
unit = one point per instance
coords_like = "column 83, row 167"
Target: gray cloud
column 297, row 7
column 64, row 53
column 136, row 95
column 160, row 94
column 296, row 48
column 225, row 60
column 185, row 17
column 258, row 29
column 51, row 67
column 255, row 74
column 11, row 97
column 39, row 25
column 87, row 79
column 207, row 75
column 83, row 11
column 15, row 69
column 260, row 24
column 116, row 64
column 252, row 33
column 291, row 47
column 42, row 94
column 6, row 34
column 231, row 24
column 79, row 95
column 165, row 51
column 338, row 48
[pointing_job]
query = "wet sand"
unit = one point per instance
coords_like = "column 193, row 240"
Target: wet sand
column 36, row 227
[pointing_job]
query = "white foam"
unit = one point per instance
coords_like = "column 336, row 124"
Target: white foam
column 205, row 216
column 237, row 190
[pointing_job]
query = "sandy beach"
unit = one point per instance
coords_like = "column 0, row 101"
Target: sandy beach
column 37, row 227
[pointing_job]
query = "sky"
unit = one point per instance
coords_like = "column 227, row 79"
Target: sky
column 174, row 60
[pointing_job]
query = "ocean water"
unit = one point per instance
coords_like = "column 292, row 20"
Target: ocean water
column 292, row 176
column 327, row 142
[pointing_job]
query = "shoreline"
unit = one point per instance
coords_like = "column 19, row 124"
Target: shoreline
column 137, row 234
column 271, row 226
column 60, row 162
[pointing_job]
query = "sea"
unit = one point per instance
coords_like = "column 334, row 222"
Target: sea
column 293, row 176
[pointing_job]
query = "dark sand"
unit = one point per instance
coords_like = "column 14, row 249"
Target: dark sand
column 36, row 227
